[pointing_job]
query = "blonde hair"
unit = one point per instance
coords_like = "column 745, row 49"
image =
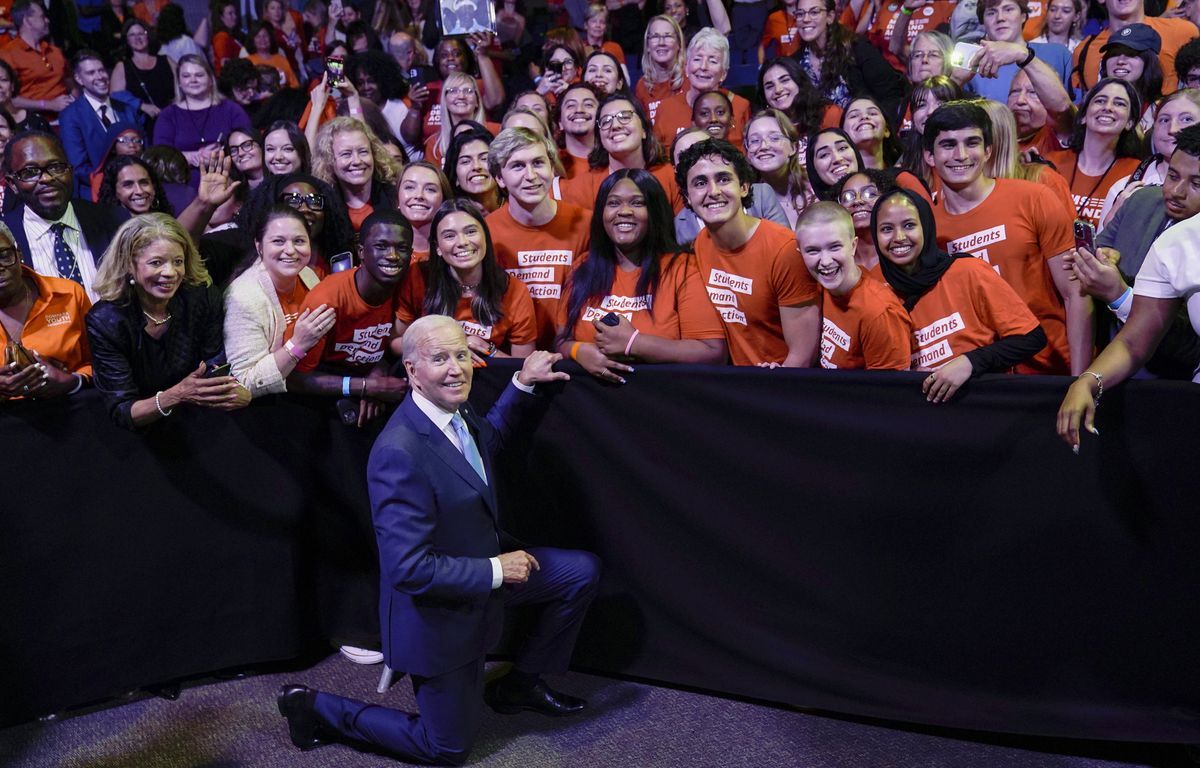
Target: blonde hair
column 386, row 167
column 446, row 132
column 652, row 73
column 112, row 281
column 1005, row 162
column 513, row 140
column 797, row 176
column 214, row 95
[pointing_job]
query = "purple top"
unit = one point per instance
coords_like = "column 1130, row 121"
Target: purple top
column 190, row 129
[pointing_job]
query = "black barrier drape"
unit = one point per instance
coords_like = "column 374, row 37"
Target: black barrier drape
column 822, row 539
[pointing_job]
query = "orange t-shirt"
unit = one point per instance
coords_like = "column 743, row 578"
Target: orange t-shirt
column 41, row 70
column 675, row 114
column 515, row 326
column 1053, row 180
column 360, row 334
column 359, row 215
column 927, row 18
column 573, row 166
column 652, row 95
column 866, row 328
column 1017, row 229
column 1045, row 141
column 969, row 308
column 782, row 30
column 749, row 285
column 277, row 61
column 293, row 303
column 224, row 47
column 1088, row 192
column 541, row 257
column 679, row 309
column 433, row 118
column 1174, row 33
column 55, row 325
column 147, row 11
column 583, row 189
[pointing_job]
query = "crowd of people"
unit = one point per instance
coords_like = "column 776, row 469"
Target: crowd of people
column 265, row 201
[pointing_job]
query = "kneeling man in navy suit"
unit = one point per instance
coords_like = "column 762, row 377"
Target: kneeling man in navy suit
column 447, row 568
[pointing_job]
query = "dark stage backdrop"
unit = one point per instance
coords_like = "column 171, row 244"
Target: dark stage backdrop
column 822, row 539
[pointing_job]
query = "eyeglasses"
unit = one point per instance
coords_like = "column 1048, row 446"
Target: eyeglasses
column 919, row 55
column 462, row 90
column 624, row 117
column 33, row 172
column 9, row 257
column 244, row 148
column 867, row 195
column 756, row 141
column 137, row 140
column 812, row 13
column 313, row 202
column 660, row 37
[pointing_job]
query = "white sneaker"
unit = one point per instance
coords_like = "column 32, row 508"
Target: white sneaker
column 361, row 655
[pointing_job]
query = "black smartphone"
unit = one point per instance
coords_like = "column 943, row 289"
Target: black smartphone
column 220, row 370
column 556, row 67
column 334, row 66
column 1085, row 236
column 611, row 319
column 341, row 262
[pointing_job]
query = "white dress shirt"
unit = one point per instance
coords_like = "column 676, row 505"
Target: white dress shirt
column 441, row 419
column 41, row 246
column 96, row 104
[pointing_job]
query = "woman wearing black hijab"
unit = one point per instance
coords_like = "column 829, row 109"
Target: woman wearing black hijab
column 966, row 319
column 831, row 156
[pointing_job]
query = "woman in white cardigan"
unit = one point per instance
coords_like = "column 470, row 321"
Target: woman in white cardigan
column 265, row 299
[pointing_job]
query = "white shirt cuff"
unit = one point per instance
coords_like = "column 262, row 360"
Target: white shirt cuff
column 517, row 383
column 497, row 572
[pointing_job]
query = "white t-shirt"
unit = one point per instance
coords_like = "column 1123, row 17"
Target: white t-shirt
column 1172, row 270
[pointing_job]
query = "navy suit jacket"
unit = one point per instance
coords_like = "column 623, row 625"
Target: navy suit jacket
column 86, row 139
column 99, row 223
column 437, row 525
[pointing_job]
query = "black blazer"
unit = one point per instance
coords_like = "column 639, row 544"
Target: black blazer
column 99, row 223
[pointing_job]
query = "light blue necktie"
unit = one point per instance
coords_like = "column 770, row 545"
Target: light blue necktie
column 469, row 450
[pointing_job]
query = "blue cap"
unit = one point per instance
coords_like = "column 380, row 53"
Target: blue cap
column 1135, row 37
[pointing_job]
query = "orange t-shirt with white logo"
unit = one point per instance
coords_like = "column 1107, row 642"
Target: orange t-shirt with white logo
column 1088, row 192
column 55, row 326
column 541, row 257
column 652, row 95
column 1017, row 229
column 675, row 114
column 969, row 308
column 516, row 324
column 866, row 328
column 360, row 334
column 926, row 18
column 679, row 308
column 584, row 188
column 748, row 285
column 1174, row 33
column 782, row 30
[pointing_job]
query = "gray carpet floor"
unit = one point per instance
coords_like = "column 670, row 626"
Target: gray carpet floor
column 234, row 724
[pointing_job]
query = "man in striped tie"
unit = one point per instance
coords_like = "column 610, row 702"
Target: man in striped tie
column 448, row 570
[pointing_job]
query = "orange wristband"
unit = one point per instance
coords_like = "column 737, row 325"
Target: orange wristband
column 575, row 350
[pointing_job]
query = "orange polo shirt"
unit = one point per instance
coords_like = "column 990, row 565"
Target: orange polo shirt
column 42, row 71
column 55, row 326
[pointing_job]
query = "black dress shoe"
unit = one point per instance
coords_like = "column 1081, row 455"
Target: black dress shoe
column 296, row 704
column 539, row 697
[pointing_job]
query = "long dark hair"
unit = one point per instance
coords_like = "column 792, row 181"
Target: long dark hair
column 442, row 291
column 819, row 187
column 337, row 234
column 837, row 57
column 890, row 143
column 1128, row 144
column 299, row 143
column 108, row 187
column 593, row 279
column 452, row 154
column 652, row 149
column 1149, row 85
column 807, row 109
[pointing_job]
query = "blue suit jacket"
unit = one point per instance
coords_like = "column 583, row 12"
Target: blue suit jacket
column 86, row 139
column 98, row 222
column 437, row 525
